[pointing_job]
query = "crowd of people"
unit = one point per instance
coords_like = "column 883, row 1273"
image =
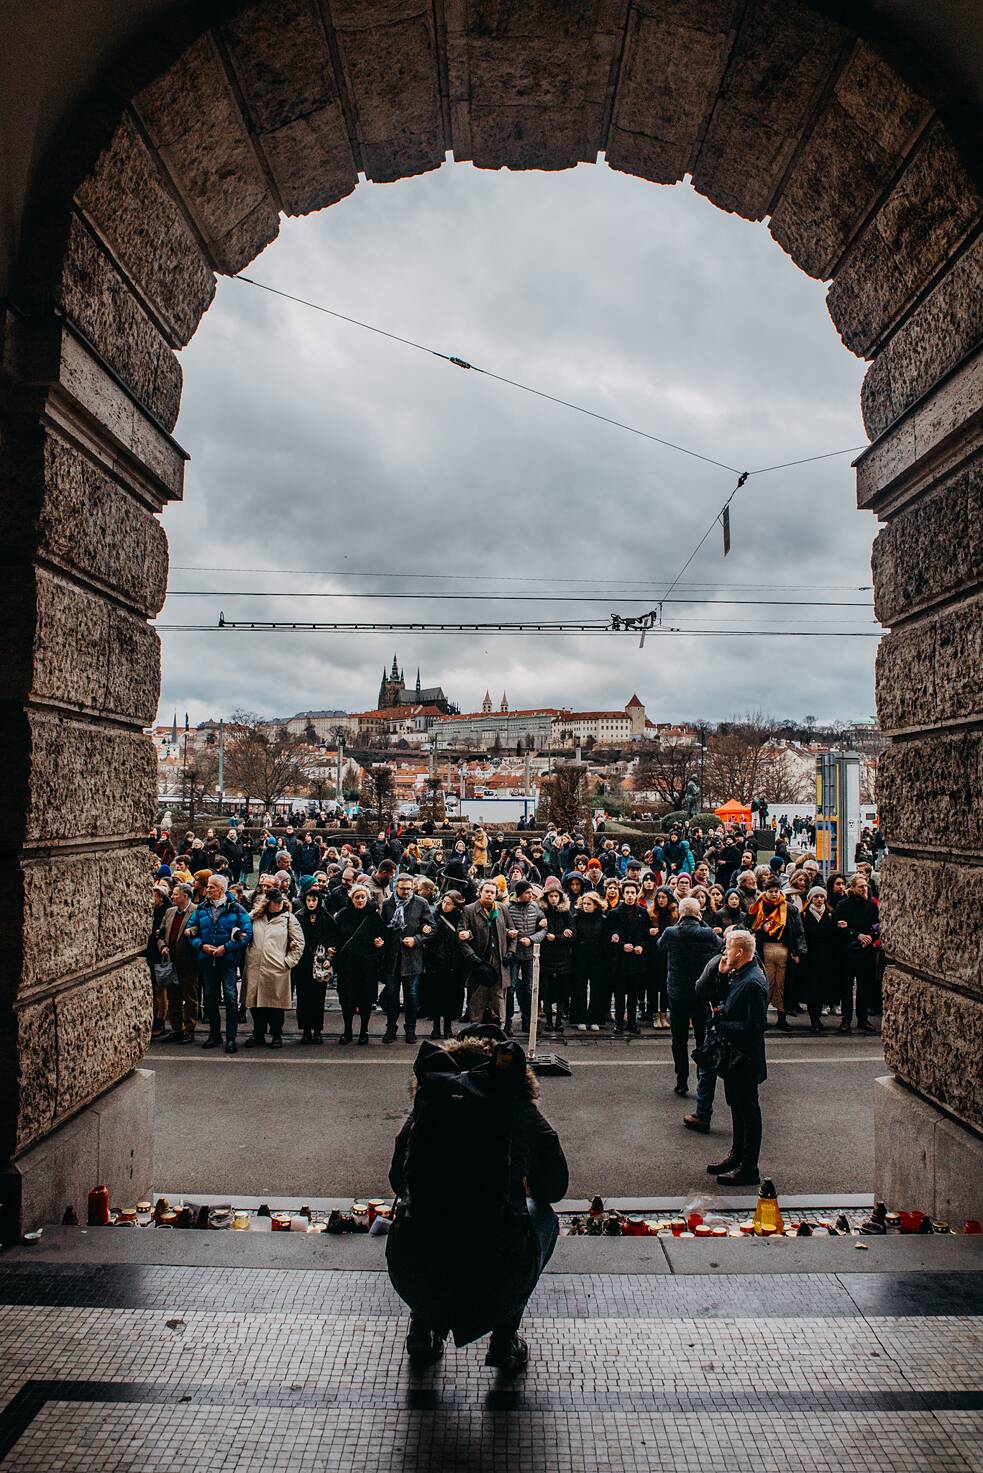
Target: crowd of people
column 447, row 931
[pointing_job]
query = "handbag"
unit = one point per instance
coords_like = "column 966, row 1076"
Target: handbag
column 321, row 969
column 164, row 973
column 717, row 1055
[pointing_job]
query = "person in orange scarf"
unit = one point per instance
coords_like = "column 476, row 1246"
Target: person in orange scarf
column 778, row 933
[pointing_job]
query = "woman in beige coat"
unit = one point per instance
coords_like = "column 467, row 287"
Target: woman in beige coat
column 276, row 948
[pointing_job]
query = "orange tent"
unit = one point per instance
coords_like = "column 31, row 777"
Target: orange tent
column 734, row 812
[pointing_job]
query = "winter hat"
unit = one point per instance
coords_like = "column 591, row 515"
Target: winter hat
column 552, row 884
column 522, row 887
column 304, row 883
column 817, row 890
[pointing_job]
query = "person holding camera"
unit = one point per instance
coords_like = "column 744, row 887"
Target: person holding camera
column 740, row 1021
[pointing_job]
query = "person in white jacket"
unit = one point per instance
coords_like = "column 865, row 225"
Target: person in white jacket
column 276, row 948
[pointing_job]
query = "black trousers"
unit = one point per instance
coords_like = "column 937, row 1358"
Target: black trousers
column 271, row 1018
column 741, row 1093
column 682, row 1013
column 357, row 992
column 859, row 968
column 310, row 1004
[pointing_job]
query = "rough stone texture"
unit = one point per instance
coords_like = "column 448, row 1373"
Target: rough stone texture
column 870, row 122
column 126, row 202
column 942, row 432
column 28, row 1075
column 782, row 59
column 932, row 671
column 192, row 118
column 125, row 905
column 927, row 215
column 133, row 672
column 932, row 341
column 933, row 1038
column 282, row 62
column 390, row 71
column 928, row 792
column 77, row 515
column 99, row 302
column 674, row 58
column 87, row 382
column 111, row 1141
column 913, row 889
column 86, row 781
column 932, row 549
column 922, row 1159
column 61, row 912
column 103, row 1031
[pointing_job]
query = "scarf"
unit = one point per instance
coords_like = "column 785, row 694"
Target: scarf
column 772, row 919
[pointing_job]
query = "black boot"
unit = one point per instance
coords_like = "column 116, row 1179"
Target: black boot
column 510, row 1356
column 435, row 1031
column 423, row 1345
column 448, row 1029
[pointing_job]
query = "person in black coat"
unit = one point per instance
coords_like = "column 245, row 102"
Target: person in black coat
column 627, row 930
column 590, row 995
column 858, row 923
column 688, row 946
column 319, row 931
column 473, row 1111
column 820, row 978
column 445, row 965
column 741, row 1021
column 361, row 938
column 556, row 957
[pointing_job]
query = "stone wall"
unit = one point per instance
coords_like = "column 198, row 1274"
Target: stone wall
column 181, row 169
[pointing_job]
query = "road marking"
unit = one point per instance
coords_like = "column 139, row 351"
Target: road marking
column 406, row 1062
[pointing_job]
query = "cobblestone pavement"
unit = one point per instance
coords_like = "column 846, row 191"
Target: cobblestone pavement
column 145, row 1367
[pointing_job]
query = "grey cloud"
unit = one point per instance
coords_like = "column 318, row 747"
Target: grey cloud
column 316, row 445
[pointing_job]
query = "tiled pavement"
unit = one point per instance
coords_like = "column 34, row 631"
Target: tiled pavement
column 120, row 1367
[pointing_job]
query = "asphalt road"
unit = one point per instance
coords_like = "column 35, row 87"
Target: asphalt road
column 320, row 1122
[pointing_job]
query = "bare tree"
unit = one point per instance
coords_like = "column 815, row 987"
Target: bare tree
column 198, row 781
column 377, row 789
column 563, row 797
column 664, row 768
column 262, row 761
column 432, row 806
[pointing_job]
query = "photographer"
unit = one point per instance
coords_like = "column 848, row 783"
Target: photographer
column 740, row 1021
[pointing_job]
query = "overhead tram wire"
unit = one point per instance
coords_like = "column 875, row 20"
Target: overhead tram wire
column 559, row 627
column 512, row 578
column 519, row 598
column 529, row 389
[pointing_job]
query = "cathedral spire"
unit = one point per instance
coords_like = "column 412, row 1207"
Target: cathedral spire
column 395, row 670
column 418, row 680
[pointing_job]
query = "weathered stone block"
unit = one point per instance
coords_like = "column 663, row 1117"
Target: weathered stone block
column 932, row 341
column 192, row 118
column 127, row 203
column 941, row 433
column 904, row 1147
column 927, row 215
column 132, row 686
column 928, row 792
column 931, row 549
column 125, row 906
column 283, row 65
column 782, row 58
column 28, row 1074
column 103, row 1031
column 932, row 918
column 673, row 61
column 524, row 138
column 391, row 75
column 61, row 919
column 71, row 643
column 933, row 1038
column 932, row 671
column 86, row 780
column 99, row 302
column 870, row 121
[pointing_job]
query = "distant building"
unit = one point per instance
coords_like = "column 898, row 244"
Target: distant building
column 393, row 692
column 323, row 723
column 608, row 728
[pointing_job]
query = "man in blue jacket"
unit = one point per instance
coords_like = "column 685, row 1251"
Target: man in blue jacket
column 220, row 930
column 741, row 1021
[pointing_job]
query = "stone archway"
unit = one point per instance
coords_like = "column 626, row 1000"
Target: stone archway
column 180, row 169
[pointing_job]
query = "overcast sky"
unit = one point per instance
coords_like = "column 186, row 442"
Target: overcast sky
column 319, row 449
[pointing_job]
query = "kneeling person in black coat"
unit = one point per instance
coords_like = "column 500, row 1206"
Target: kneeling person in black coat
column 474, row 1137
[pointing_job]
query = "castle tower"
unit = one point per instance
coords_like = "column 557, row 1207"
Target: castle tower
column 486, row 704
column 635, row 712
column 505, row 704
